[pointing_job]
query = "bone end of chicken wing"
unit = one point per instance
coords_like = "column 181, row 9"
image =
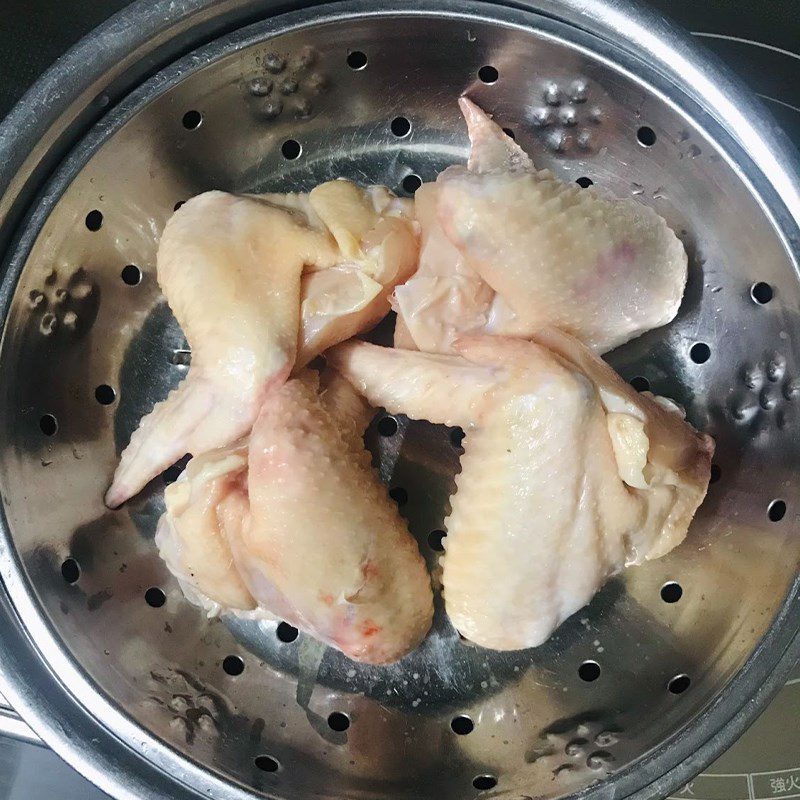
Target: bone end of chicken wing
column 353, row 297
column 191, row 539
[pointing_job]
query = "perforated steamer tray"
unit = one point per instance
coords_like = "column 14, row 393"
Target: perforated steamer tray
column 138, row 696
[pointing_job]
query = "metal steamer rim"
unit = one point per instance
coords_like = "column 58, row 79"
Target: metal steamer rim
column 41, row 676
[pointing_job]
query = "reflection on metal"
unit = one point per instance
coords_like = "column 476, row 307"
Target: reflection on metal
column 11, row 725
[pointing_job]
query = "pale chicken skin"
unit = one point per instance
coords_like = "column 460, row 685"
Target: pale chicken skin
column 445, row 297
column 568, row 474
column 190, row 536
column 508, row 249
column 260, row 285
column 300, row 528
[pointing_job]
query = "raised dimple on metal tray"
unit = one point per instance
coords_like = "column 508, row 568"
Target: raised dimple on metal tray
column 89, row 345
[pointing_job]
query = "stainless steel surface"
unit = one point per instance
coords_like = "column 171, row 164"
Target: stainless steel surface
column 152, row 676
column 11, row 725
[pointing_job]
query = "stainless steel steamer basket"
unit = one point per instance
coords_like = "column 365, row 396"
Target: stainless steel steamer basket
column 171, row 98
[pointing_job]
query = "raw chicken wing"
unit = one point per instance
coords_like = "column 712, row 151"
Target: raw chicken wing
column 232, row 269
column 507, row 250
column 309, row 535
column 568, row 474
